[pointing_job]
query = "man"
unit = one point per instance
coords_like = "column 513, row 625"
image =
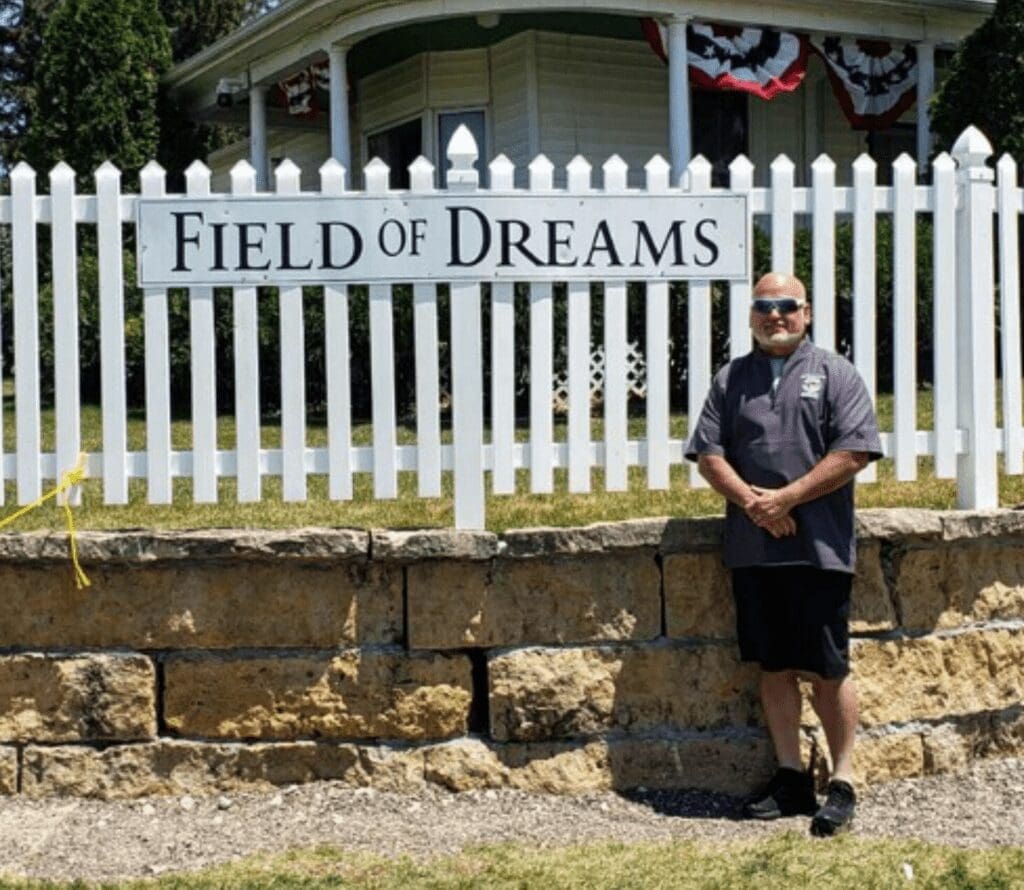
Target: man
column 782, row 434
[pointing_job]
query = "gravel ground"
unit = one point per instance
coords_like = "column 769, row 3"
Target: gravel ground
column 94, row 840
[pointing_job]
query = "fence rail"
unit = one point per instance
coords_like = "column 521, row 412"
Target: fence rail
column 975, row 213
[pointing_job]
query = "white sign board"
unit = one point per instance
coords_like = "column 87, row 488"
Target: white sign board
column 442, row 237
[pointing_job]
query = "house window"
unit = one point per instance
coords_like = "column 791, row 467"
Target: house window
column 397, row 147
column 720, row 128
column 447, row 123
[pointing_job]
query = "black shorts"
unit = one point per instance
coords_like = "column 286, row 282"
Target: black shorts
column 794, row 618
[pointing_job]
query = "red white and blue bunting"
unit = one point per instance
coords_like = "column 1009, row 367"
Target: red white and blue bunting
column 873, row 81
column 301, row 88
column 760, row 61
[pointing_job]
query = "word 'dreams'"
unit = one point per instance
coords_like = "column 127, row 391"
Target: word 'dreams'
column 439, row 237
column 559, row 243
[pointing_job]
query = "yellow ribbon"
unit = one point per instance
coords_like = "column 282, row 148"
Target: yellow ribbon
column 70, row 478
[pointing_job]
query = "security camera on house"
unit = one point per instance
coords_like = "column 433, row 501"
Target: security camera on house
column 226, row 89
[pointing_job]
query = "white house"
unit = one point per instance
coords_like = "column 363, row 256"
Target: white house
column 355, row 79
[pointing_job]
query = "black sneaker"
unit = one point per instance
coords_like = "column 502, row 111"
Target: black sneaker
column 836, row 814
column 789, row 793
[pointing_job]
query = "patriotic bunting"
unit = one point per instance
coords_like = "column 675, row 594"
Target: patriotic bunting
column 298, row 93
column 760, row 61
column 873, row 81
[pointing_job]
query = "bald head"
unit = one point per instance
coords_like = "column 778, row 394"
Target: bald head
column 779, row 284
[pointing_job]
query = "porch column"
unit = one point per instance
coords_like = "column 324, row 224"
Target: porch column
column 258, row 136
column 678, row 97
column 925, row 89
column 339, row 107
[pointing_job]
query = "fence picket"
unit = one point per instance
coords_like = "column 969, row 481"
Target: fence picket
column 467, row 359
column 66, row 389
column 159, row 489
column 904, row 348
column 26, row 333
column 382, row 364
column 1009, row 313
column 247, row 365
column 541, row 359
column 741, row 180
column 337, row 352
column 616, row 347
column 112, row 360
column 579, row 355
column 823, row 285
column 503, row 351
column 427, row 358
column 203, row 352
column 657, row 322
column 782, row 170
column 293, row 367
column 944, row 315
column 864, row 281
column 698, row 377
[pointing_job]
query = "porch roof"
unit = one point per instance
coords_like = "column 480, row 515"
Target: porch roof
column 299, row 30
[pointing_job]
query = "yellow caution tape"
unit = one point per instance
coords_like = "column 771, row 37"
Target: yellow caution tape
column 70, row 478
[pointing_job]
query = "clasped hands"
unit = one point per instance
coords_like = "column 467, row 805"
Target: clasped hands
column 770, row 508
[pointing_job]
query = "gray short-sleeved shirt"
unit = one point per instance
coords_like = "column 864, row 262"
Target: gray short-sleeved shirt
column 773, row 437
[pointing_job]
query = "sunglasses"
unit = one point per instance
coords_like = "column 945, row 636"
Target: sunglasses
column 782, row 305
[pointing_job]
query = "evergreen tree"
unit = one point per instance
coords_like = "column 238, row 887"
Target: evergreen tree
column 985, row 85
column 196, row 24
column 21, row 26
column 96, row 85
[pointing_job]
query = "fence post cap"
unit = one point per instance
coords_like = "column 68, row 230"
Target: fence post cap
column 462, row 149
column 578, row 165
column 972, row 148
column 540, row 164
column 332, row 167
column 783, row 163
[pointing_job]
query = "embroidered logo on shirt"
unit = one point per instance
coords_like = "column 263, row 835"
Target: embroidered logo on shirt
column 810, row 385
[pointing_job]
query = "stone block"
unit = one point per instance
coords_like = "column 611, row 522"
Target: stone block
column 544, row 767
column 730, row 764
column 414, row 545
column 543, row 694
column 77, row 698
column 182, row 605
column 8, row 770
column 899, row 755
column 945, row 587
column 515, row 602
column 699, row 603
column 353, row 694
column 887, row 524
column 698, row 596
column 871, row 607
column 178, row 767
column 936, row 677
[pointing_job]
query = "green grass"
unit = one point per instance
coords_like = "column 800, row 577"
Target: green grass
column 409, row 510
column 779, row 863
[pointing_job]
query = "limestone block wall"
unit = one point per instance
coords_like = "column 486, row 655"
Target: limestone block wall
column 560, row 660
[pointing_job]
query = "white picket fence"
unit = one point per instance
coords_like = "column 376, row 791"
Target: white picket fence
column 974, row 210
